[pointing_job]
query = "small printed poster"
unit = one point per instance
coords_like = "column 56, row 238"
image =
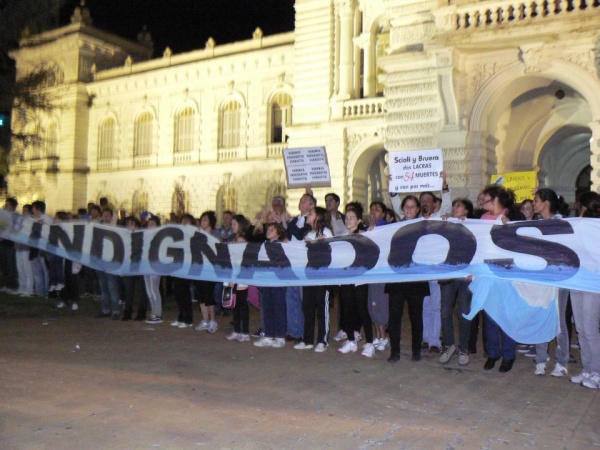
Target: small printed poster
column 416, row 171
column 522, row 183
column 306, row 166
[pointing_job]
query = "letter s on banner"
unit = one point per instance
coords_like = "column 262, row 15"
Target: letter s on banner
column 561, row 260
column 460, row 254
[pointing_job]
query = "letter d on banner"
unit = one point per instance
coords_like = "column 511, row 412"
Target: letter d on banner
column 99, row 238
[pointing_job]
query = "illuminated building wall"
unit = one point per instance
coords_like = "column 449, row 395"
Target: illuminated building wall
column 500, row 86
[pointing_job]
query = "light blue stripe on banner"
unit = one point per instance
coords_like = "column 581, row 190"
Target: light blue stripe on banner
column 519, row 319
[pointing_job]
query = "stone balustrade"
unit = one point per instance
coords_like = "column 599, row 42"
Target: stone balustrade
column 182, row 158
column 483, row 15
column 228, row 153
column 275, row 150
column 365, row 107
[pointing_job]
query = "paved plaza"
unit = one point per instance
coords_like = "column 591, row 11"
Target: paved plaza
column 70, row 381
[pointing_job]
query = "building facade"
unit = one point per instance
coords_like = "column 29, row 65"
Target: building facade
column 500, row 86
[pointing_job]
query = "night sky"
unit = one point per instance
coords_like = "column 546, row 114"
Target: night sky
column 185, row 25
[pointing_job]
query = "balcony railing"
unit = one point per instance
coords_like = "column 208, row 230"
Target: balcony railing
column 275, row 150
column 141, row 161
column 106, row 164
column 228, row 153
column 366, row 107
column 182, row 158
column 487, row 15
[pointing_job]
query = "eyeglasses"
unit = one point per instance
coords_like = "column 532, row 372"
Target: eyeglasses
column 487, row 201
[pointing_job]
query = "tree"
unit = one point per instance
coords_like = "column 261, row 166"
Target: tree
column 24, row 97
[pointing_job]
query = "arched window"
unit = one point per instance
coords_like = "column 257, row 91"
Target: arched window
column 281, row 117
column 226, row 200
column 179, row 201
column 230, row 124
column 184, row 130
column 52, row 141
column 106, row 139
column 275, row 189
column 143, row 135
column 139, row 203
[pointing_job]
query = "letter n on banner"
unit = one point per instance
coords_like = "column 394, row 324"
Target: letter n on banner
column 220, row 261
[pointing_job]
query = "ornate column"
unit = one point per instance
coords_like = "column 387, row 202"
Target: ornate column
column 595, row 155
column 345, row 10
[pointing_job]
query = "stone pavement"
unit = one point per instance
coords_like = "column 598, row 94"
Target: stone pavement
column 75, row 382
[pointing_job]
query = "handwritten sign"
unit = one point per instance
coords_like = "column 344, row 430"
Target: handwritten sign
column 416, row 171
column 306, row 166
column 522, row 183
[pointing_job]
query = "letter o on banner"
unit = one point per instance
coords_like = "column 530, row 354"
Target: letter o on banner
column 463, row 245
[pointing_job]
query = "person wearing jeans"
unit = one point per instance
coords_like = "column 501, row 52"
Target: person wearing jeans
column 455, row 292
column 586, row 309
column 498, row 344
column 562, row 342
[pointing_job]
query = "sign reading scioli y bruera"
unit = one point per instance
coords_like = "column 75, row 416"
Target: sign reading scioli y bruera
column 416, row 171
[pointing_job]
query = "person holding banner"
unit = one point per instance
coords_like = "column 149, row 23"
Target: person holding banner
column 378, row 304
column 315, row 299
column 410, row 292
column 546, row 204
column 586, row 310
column 182, row 292
column 456, row 293
column 205, row 290
column 272, row 305
column 296, row 230
column 152, row 286
column 109, row 283
column 498, row 202
column 355, row 298
column 241, row 310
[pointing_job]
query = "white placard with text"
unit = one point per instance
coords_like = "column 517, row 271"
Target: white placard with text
column 416, row 171
column 306, row 166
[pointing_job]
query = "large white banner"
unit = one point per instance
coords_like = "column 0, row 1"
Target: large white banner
column 563, row 253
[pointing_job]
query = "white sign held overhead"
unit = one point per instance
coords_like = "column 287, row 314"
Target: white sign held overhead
column 306, row 166
column 416, row 171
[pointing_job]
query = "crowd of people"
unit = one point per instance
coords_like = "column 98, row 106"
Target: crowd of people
column 301, row 315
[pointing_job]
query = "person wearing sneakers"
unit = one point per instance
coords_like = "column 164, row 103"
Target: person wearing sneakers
column 456, row 292
column 356, row 298
column 241, row 312
column 546, row 204
column 273, row 300
column 315, row 299
column 205, row 290
column 181, row 290
column 152, row 285
column 412, row 293
column 586, row 310
column 498, row 203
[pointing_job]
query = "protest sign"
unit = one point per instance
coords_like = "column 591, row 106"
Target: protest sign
column 521, row 183
column 306, row 166
column 416, row 171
